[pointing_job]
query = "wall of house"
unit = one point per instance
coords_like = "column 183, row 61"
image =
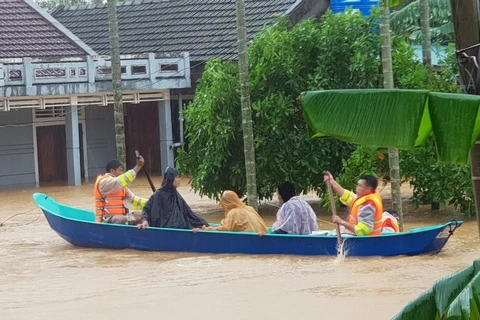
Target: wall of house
column 16, row 149
column 100, row 131
column 196, row 72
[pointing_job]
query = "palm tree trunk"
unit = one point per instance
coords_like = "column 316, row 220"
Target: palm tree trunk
column 116, row 81
column 425, row 23
column 247, row 125
column 466, row 26
column 393, row 157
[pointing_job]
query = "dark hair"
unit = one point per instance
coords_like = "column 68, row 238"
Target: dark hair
column 370, row 181
column 287, row 191
column 113, row 164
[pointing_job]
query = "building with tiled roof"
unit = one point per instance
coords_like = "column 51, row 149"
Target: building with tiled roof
column 56, row 101
column 204, row 28
column 26, row 32
column 56, row 113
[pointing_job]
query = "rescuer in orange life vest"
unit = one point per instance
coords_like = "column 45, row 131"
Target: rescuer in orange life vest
column 366, row 207
column 112, row 197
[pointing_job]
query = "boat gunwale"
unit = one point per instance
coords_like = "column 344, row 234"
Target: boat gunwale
column 438, row 227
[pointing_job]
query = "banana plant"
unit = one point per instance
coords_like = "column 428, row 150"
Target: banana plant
column 393, row 156
column 455, row 297
column 410, row 20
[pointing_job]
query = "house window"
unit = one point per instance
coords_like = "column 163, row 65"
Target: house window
column 50, row 73
column 15, row 75
column 108, row 70
column 168, row 67
column 54, row 113
column 139, row 69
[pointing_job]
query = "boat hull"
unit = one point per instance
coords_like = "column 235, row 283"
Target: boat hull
column 79, row 228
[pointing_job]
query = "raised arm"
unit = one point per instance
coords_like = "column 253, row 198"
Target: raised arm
column 327, row 177
column 346, row 197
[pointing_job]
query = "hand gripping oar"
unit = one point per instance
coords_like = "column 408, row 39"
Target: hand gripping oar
column 334, row 213
column 137, row 155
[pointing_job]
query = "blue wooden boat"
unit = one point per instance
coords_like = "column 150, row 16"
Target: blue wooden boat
column 79, row 228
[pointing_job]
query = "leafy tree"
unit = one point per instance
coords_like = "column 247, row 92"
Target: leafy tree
column 282, row 60
column 285, row 61
column 347, row 54
column 437, row 182
column 432, row 181
column 406, row 21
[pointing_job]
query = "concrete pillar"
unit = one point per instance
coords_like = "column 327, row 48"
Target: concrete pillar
column 166, row 136
column 28, row 76
column 73, row 144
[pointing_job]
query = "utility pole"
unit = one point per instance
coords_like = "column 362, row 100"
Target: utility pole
column 247, row 123
column 116, row 81
column 393, row 157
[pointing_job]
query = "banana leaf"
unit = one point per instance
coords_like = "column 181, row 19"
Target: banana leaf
column 466, row 306
column 396, row 118
column 456, row 124
column 421, row 308
column 455, row 297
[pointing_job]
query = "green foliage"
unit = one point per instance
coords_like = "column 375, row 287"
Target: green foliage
column 282, row 60
column 434, row 181
column 364, row 160
column 341, row 52
column 412, row 74
column 348, row 53
column 453, row 297
column 213, row 130
column 406, row 21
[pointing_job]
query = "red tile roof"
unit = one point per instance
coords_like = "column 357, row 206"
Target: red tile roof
column 24, row 32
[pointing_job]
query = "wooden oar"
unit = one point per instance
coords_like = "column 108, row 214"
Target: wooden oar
column 137, row 155
column 334, row 213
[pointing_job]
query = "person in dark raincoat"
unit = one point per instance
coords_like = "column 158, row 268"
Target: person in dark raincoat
column 167, row 209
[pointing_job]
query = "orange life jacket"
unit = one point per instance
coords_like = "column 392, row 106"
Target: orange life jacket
column 110, row 204
column 389, row 222
column 376, row 201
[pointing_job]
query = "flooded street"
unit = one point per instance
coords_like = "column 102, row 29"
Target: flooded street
column 44, row 277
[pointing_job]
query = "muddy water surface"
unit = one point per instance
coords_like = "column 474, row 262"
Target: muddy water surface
column 43, row 277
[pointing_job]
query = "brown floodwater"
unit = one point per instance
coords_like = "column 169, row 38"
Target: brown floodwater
column 44, row 277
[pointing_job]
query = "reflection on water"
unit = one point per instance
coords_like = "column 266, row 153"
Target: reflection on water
column 43, row 277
